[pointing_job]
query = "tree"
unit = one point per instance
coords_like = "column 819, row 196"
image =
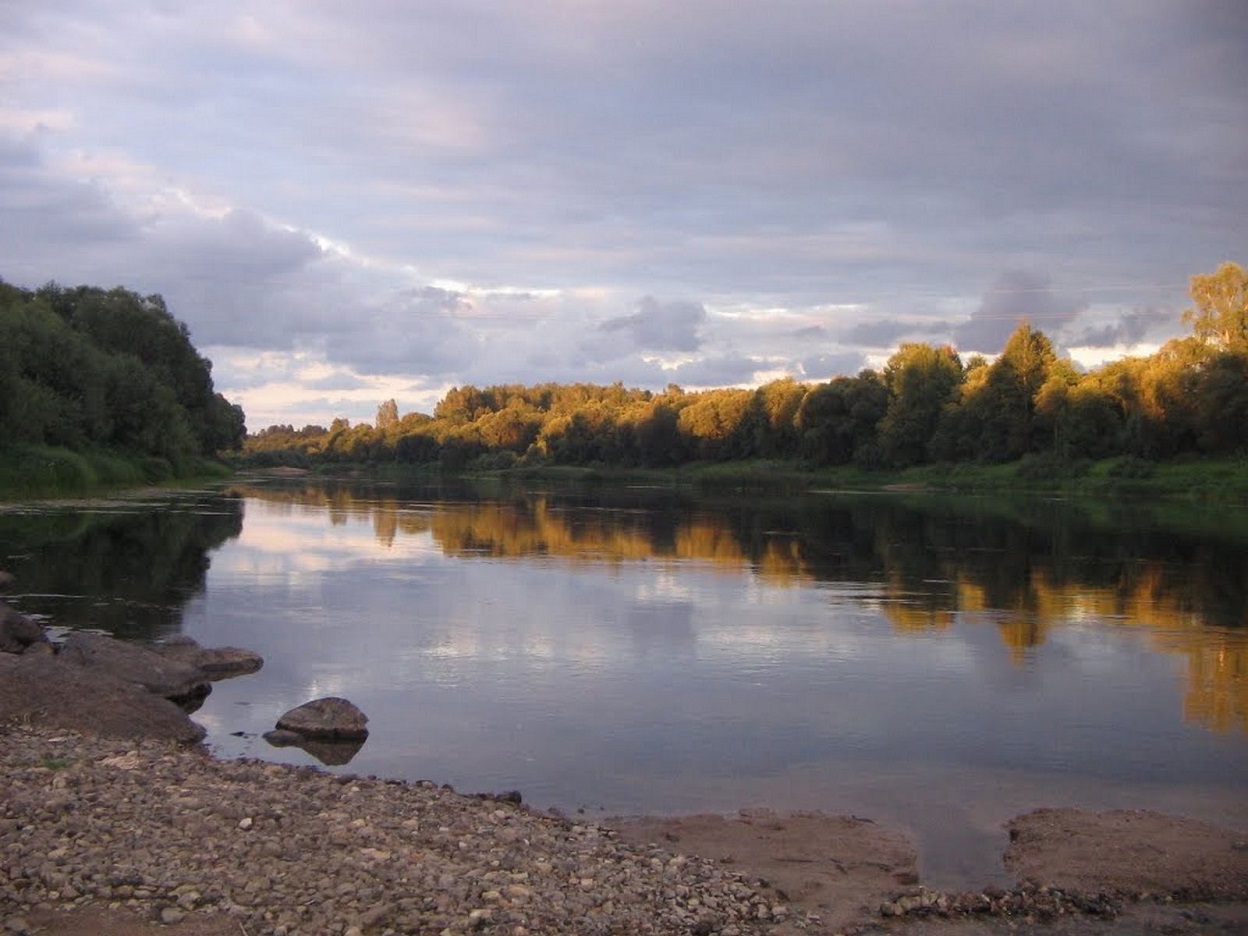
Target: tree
column 839, row 420
column 1220, row 316
column 1013, row 383
column 921, row 379
column 713, row 420
column 773, row 418
column 387, row 415
column 1221, row 408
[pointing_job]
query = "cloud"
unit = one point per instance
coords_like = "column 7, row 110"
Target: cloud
column 711, row 372
column 46, row 218
column 656, row 326
column 1016, row 295
column 823, row 367
column 421, row 331
column 889, row 332
column 1128, row 330
column 815, row 181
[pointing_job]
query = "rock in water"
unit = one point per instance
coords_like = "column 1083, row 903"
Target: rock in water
column 214, row 662
column 17, row 631
column 168, row 678
column 330, row 717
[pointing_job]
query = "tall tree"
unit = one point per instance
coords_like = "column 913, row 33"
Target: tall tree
column 387, row 415
column 921, row 379
column 1220, row 316
column 1013, row 385
column 839, row 420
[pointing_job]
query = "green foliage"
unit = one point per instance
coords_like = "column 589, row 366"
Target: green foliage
column 1051, row 467
column 90, row 370
column 1130, row 466
column 921, row 380
column 839, row 421
column 39, row 471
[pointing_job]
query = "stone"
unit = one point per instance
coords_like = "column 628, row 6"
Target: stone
column 17, row 631
column 7, row 581
column 169, row 916
column 167, row 678
column 45, row 690
column 331, row 718
column 214, row 662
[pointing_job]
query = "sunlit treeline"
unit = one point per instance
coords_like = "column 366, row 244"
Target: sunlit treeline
column 927, row 404
column 1025, row 578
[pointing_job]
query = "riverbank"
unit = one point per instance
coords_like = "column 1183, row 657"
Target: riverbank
column 1220, row 480
column 167, row 832
column 137, row 837
column 30, row 472
column 1203, row 480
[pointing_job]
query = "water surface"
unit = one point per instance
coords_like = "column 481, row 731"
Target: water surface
column 937, row 664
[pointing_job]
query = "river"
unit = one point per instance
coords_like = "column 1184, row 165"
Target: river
column 936, row 663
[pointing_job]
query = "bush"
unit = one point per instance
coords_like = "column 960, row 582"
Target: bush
column 37, row 470
column 1049, row 466
column 1131, row 467
column 498, row 460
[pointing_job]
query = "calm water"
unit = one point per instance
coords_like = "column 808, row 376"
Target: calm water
column 939, row 665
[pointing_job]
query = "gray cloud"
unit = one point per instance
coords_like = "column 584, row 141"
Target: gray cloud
column 418, row 331
column 1129, row 329
column 823, row 367
column 888, row 332
column 723, row 371
column 659, row 326
column 1016, row 295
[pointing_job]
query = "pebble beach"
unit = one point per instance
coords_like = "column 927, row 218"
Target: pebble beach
column 166, row 831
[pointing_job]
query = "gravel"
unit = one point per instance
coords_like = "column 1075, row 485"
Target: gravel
column 168, row 831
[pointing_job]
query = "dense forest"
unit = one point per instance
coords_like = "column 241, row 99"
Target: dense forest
column 926, row 405
column 89, row 369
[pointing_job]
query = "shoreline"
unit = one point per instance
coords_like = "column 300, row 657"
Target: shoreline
column 116, row 817
column 165, row 833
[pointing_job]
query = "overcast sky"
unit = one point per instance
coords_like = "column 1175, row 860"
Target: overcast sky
column 352, row 202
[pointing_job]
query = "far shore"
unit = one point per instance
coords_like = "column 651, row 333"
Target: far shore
column 1221, row 480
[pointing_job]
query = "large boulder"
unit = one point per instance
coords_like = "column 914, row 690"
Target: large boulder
column 17, row 631
column 329, row 718
column 214, row 662
column 7, row 580
column 46, row 691
column 170, row 679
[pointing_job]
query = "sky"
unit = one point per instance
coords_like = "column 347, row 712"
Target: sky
column 348, row 203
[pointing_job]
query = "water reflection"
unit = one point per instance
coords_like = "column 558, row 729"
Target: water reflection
column 127, row 567
column 1023, row 570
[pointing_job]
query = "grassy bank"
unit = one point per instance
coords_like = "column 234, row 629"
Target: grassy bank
column 1222, row 480
column 37, row 471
